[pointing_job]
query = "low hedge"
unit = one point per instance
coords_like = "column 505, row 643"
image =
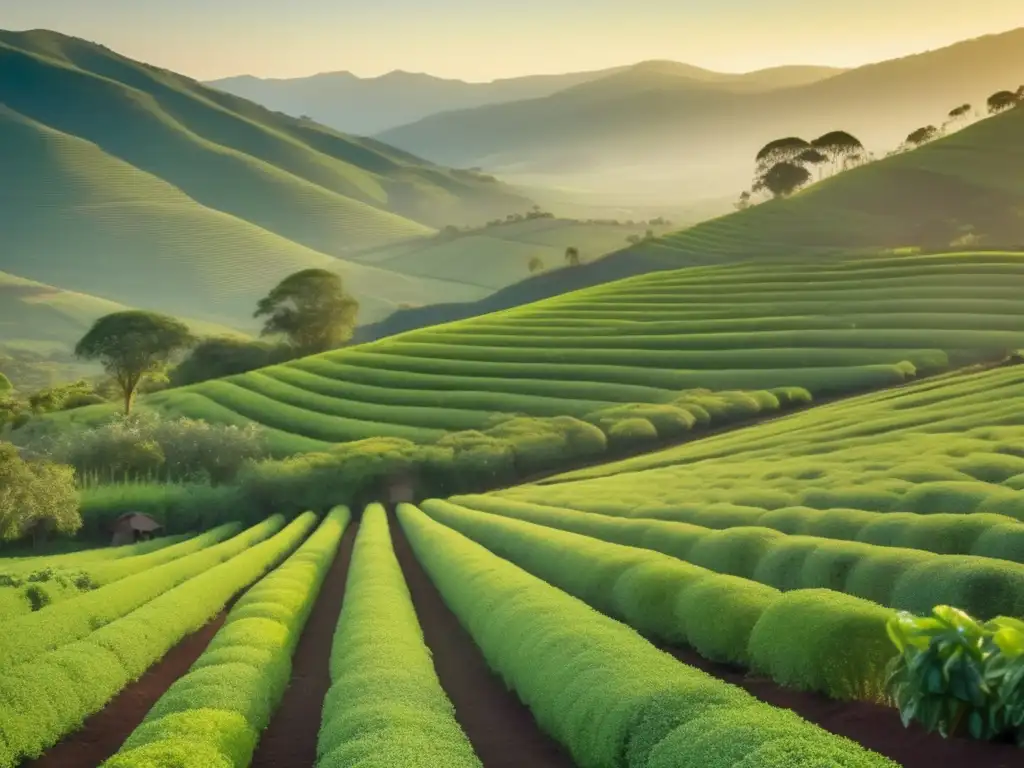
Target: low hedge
column 385, row 706
column 594, row 684
column 51, row 696
column 214, row 714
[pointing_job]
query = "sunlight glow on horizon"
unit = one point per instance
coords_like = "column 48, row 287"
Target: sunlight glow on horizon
column 476, row 41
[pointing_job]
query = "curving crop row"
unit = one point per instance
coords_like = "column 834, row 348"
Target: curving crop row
column 90, row 556
column 107, row 573
column 49, row 697
column 598, row 687
column 906, row 579
column 28, row 636
column 810, row 639
column 385, row 706
column 214, row 715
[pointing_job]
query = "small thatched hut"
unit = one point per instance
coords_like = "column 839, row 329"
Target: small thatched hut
column 134, row 526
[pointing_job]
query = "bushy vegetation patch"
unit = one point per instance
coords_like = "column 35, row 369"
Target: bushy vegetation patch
column 385, row 704
column 217, row 711
column 592, row 683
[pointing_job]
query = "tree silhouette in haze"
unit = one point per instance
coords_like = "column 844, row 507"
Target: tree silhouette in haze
column 311, row 309
column 783, row 179
column 839, row 147
column 535, row 265
column 780, row 151
column 922, row 136
column 572, row 256
column 1004, row 100
column 812, row 157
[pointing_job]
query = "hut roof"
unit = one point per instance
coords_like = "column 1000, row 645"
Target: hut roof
column 137, row 521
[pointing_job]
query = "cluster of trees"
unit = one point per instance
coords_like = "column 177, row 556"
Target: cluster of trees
column 36, row 497
column 786, row 165
column 306, row 313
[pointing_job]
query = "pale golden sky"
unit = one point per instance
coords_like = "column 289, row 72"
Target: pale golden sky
column 485, row 39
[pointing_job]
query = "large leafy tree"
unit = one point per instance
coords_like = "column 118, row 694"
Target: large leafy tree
column 839, row 146
column 922, row 136
column 783, row 150
column 1004, row 100
column 572, row 256
column 35, row 496
column 311, row 309
column 133, row 344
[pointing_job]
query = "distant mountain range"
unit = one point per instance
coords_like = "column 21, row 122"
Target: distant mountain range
column 367, row 106
column 695, row 133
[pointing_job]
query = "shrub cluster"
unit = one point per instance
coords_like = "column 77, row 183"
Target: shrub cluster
column 596, row 686
column 28, row 636
column 214, row 714
column 385, row 704
column 907, row 579
column 52, row 695
column 35, row 497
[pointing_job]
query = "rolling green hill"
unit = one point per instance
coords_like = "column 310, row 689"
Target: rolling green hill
column 141, row 187
column 831, row 326
column 668, row 127
column 965, row 188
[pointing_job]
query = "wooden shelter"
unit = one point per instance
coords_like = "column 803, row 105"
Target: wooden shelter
column 134, row 526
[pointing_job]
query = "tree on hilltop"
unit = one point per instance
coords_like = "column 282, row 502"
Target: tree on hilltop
column 839, row 147
column 572, row 256
column 133, row 344
column 783, row 179
column 1004, row 100
column 312, row 309
column 535, row 265
column 780, row 151
column 812, row 157
column 922, row 136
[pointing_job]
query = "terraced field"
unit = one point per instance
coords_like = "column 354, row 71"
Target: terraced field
column 833, row 328
column 446, row 636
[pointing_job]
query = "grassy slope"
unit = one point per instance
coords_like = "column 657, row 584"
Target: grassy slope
column 948, row 445
column 920, row 198
column 833, row 327
column 709, row 129
column 499, row 256
column 142, row 187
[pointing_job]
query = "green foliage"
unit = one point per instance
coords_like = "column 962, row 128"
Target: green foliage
column 180, row 507
column 33, row 635
column 958, row 676
column 311, row 309
column 146, row 446
column 133, row 344
column 36, row 497
column 52, row 694
column 5, row 386
column 218, row 356
column 385, row 704
column 218, row 710
column 592, row 683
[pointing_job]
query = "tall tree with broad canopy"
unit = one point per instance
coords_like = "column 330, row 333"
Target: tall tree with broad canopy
column 780, row 151
column 783, row 179
column 1004, row 100
column 133, row 344
column 572, row 256
column 838, row 146
column 311, row 309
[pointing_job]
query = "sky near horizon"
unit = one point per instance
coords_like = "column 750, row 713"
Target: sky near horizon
column 481, row 40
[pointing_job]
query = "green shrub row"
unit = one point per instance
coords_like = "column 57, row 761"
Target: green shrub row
column 28, row 636
column 214, row 714
column 50, row 696
column 723, row 617
column 597, row 686
column 179, row 507
column 906, row 579
column 106, row 573
column 385, row 706
column 91, row 555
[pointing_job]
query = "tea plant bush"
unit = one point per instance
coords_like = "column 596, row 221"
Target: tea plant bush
column 594, row 684
column 214, row 714
column 26, row 637
column 385, row 705
column 723, row 617
column 44, row 699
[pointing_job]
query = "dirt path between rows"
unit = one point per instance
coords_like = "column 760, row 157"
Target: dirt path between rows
column 291, row 738
column 874, row 726
column 104, row 732
column 500, row 727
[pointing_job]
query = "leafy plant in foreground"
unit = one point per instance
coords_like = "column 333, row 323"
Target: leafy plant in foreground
column 955, row 675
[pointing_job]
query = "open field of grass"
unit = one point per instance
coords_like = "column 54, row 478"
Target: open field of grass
column 833, row 328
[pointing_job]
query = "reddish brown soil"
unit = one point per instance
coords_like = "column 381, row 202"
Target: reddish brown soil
column 290, row 740
column 105, row 732
column 876, row 727
column 500, row 728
